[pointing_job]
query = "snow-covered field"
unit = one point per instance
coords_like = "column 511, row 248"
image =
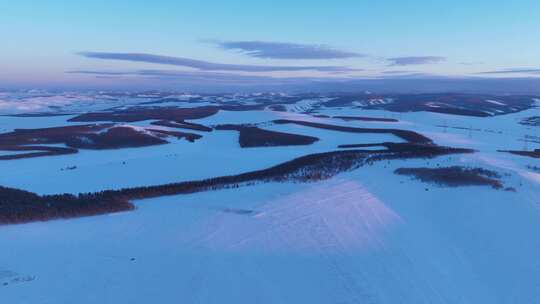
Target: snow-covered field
column 365, row 236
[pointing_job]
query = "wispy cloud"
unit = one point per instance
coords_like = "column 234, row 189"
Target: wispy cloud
column 393, row 72
column 101, row 73
column 470, row 63
column 532, row 71
column 285, row 50
column 415, row 60
column 206, row 65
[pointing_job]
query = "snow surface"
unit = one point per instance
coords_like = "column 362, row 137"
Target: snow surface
column 366, row 236
column 42, row 102
column 347, row 240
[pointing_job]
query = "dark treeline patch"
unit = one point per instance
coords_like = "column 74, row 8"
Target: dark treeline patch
column 238, row 211
column 92, row 136
column 181, row 125
column 241, row 107
column 38, row 114
column 18, row 206
column 147, row 113
column 191, row 137
column 114, row 138
column 411, row 150
column 136, row 114
column 55, row 135
column 409, row 136
column 251, row 136
column 534, row 154
column 533, row 121
column 278, row 108
column 362, row 145
column 358, row 146
column 34, row 151
column 95, row 136
column 52, row 135
column 458, row 111
column 454, row 176
column 31, row 140
column 365, row 118
column 405, row 150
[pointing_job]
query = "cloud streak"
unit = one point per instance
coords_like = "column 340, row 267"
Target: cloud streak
column 415, row 60
column 532, row 71
column 285, row 50
column 206, row 65
column 394, row 72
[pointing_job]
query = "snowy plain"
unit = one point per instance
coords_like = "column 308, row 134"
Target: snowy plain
column 365, row 236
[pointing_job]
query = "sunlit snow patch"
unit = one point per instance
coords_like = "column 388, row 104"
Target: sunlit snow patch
column 339, row 216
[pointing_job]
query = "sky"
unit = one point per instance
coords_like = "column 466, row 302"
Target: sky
column 203, row 44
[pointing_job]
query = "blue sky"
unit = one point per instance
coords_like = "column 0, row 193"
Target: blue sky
column 72, row 43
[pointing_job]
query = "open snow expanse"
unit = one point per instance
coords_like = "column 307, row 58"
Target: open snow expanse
column 363, row 236
column 352, row 239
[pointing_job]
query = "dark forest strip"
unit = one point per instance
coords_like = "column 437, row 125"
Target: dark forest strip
column 365, row 118
column 455, row 176
column 17, row 206
column 181, row 125
column 93, row 137
column 251, row 136
column 533, row 154
column 34, row 151
column 409, row 136
column 147, row 113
